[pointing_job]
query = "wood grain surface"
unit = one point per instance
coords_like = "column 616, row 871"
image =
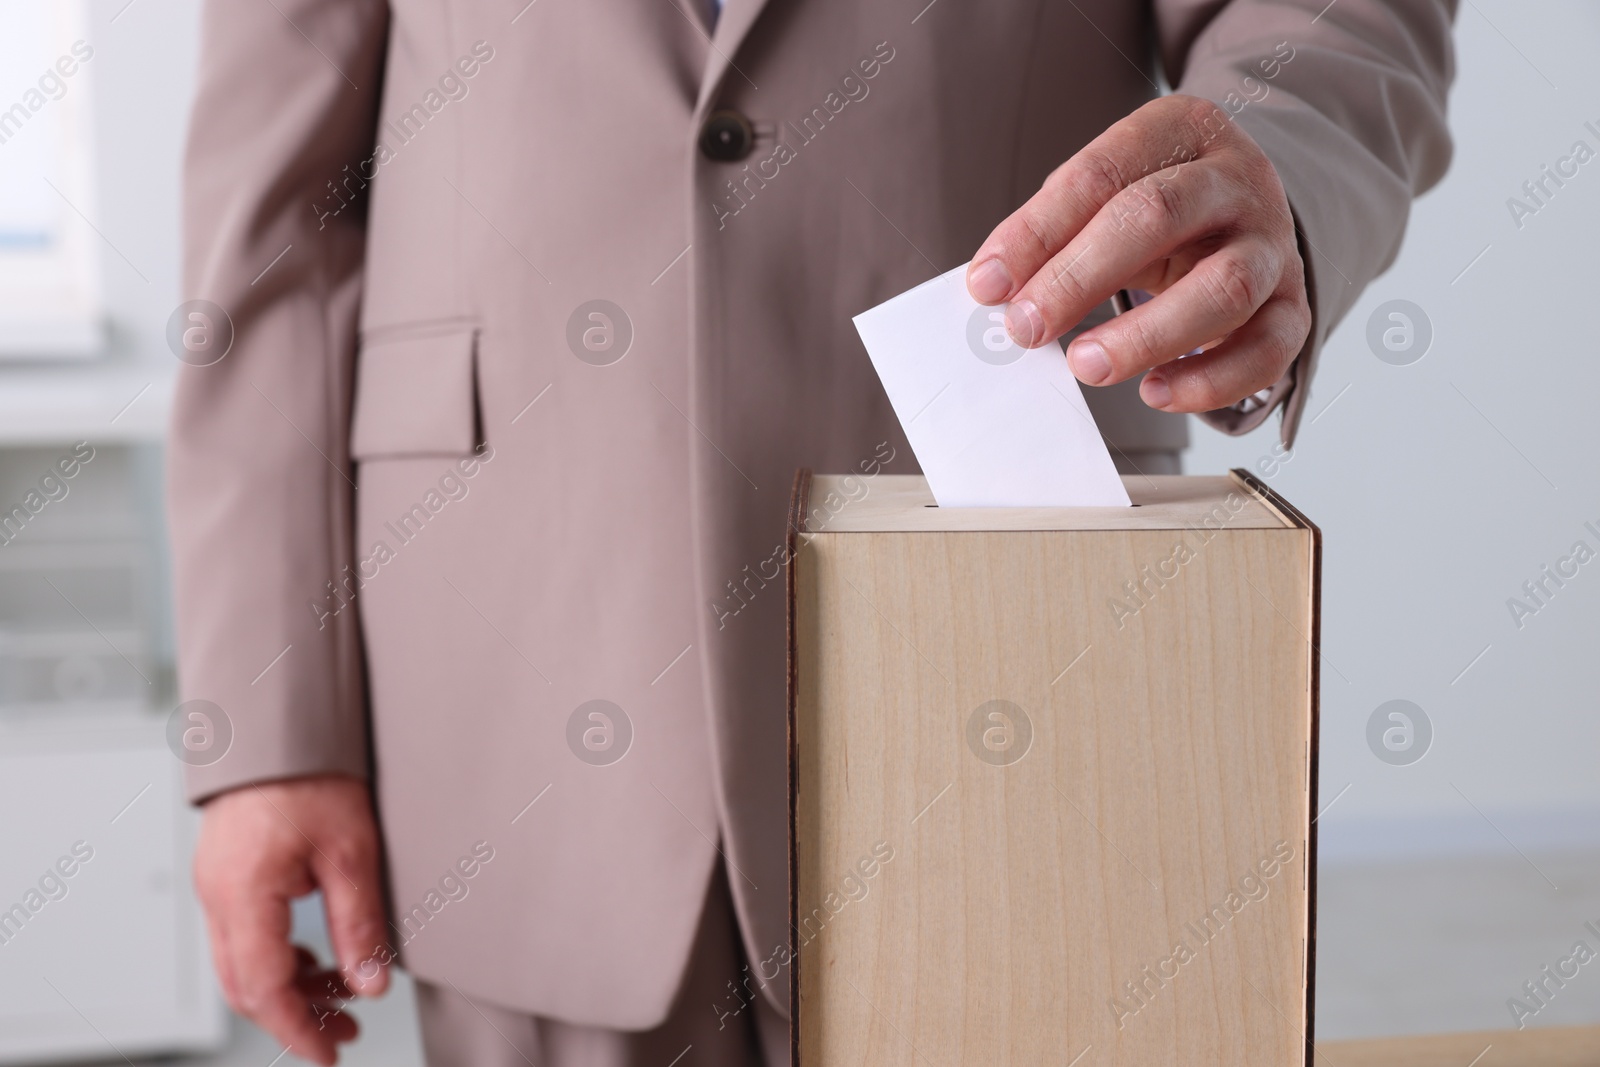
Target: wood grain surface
column 1114, row 868
column 1557, row 1047
column 854, row 504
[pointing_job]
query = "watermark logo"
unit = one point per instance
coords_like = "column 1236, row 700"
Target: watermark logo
column 453, row 886
column 824, row 509
column 1540, row 590
column 1144, row 192
column 1140, row 591
column 988, row 339
column 790, row 137
column 1539, row 191
column 51, row 487
column 854, row 887
column 1539, row 991
column 199, row 333
column 51, row 85
column 1254, row 886
column 599, row 732
column 599, row 332
column 51, row 886
column 1399, row 733
column 199, row 732
column 343, row 588
column 400, row 129
column 999, row 733
column 1399, row 332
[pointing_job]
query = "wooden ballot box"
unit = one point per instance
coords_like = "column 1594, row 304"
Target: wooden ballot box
column 1053, row 777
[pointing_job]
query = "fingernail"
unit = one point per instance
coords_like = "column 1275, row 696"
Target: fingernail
column 989, row 282
column 1089, row 362
column 1024, row 323
column 1155, row 391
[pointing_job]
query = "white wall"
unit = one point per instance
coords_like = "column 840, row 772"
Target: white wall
column 1443, row 485
column 144, row 65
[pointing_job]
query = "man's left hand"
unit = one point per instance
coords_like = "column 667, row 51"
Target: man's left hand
column 1178, row 200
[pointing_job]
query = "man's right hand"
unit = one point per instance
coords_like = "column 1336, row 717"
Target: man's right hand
column 261, row 846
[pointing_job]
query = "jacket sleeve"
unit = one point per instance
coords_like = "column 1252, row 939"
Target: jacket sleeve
column 1348, row 101
column 259, row 483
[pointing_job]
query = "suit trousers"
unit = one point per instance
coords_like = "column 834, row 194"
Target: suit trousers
column 718, row 1018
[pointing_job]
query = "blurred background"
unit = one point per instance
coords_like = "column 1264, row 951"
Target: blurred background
column 1448, row 452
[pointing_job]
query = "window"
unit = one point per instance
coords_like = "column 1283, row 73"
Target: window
column 49, row 299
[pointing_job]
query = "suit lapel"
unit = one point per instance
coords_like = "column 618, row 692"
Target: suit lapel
column 732, row 26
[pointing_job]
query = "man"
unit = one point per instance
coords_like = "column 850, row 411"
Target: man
column 537, row 306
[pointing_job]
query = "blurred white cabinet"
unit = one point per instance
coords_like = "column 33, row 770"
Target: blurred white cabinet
column 110, row 961
column 102, row 947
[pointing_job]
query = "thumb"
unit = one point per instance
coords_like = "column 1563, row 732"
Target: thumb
column 353, row 900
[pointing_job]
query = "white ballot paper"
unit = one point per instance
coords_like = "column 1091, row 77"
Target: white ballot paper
column 993, row 424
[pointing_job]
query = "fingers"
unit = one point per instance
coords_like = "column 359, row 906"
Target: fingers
column 1253, row 358
column 1178, row 200
column 1216, row 297
column 262, row 847
column 326, row 994
column 355, row 910
column 267, row 974
column 317, row 982
column 1150, row 220
column 1159, row 135
column 221, row 955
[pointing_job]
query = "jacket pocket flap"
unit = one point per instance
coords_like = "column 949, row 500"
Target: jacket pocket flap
column 416, row 394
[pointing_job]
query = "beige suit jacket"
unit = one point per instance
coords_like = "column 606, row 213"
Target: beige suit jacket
column 405, row 210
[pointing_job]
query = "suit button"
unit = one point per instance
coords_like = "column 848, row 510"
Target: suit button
column 727, row 137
